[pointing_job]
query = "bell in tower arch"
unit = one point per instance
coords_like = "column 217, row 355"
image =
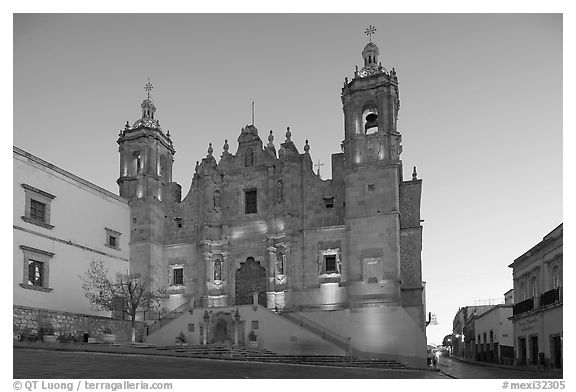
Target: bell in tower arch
column 371, row 121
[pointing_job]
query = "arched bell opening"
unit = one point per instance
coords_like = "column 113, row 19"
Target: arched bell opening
column 370, row 120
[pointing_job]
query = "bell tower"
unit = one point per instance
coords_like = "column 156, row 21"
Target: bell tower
column 146, row 155
column 372, row 178
column 371, row 103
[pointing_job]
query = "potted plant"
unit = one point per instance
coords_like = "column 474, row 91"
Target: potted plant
column 181, row 339
column 108, row 336
column 252, row 339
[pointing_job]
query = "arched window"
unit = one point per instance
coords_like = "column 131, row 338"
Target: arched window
column 218, row 269
column 522, row 294
column 555, row 277
column 137, row 161
column 533, row 287
column 280, row 262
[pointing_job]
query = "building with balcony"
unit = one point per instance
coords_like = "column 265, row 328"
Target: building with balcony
column 537, row 313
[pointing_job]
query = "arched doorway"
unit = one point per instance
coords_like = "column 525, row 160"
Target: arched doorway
column 250, row 277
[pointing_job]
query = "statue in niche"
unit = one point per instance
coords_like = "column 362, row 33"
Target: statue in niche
column 280, row 191
column 217, row 200
column 218, row 270
column 280, row 263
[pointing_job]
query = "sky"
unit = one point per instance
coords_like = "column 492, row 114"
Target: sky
column 480, row 112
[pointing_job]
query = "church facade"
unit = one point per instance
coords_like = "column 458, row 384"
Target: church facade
column 258, row 225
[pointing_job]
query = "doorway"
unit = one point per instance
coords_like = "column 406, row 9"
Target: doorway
column 250, row 278
column 556, row 351
column 534, row 350
column 522, row 351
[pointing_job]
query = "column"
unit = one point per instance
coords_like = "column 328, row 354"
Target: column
column 271, row 300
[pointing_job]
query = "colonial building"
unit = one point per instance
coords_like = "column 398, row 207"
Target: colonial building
column 537, row 318
column 494, row 335
column 61, row 223
column 463, row 332
column 258, row 225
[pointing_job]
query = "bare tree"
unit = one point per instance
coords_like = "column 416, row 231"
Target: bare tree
column 128, row 292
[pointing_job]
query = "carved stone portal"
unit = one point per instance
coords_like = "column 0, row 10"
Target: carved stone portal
column 250, row 278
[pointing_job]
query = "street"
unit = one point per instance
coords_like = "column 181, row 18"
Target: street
column 458, row 369
column 39, row 364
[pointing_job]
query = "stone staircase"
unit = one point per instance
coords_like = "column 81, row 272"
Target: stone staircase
column 215, row 351
column 319, row 330
column 168, row 317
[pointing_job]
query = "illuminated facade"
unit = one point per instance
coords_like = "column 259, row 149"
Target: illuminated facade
column 259, row 225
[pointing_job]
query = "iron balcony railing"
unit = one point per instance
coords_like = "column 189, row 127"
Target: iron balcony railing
column 524, row 306
column 550, row 297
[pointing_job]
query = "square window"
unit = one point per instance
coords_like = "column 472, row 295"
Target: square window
column 35, row 271
column 251, row 201
column 330, row 264
column 112, row 239
column 37, row 206
column 254, row 324
column 178, row 276
column 329, row 202
column 37, row 210
column 371, row 187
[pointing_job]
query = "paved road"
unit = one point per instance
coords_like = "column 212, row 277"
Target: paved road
column 44, row 364
column 459, row 369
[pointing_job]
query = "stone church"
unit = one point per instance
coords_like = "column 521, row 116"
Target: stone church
column 258, row 226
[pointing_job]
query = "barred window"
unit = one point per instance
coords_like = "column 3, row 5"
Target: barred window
column 178, row 277
column 330, row 264
column 35, row 273
column 37, row 206
column 37, row 210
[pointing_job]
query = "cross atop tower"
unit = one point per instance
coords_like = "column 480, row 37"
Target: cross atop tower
column 148, row 87
column 369, row 31
column 317, row 165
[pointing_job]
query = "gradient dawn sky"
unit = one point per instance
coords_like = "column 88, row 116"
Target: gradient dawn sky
column 480, row 116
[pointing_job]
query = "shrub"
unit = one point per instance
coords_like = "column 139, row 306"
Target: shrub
column 181, row 339
column 67, row 337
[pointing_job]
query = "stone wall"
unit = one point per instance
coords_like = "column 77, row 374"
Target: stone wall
column 32, row 319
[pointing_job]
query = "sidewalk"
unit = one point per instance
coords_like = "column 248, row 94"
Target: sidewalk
column 497, row 365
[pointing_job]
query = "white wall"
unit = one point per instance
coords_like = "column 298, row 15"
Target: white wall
column 80, row 212
column 496, row 320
